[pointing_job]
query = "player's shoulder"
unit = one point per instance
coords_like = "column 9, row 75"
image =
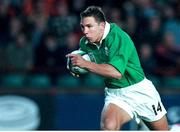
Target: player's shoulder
column 114, row 33
column 115, row 27
column 117, row 31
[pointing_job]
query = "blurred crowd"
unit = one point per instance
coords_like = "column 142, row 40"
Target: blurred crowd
column 35, row 35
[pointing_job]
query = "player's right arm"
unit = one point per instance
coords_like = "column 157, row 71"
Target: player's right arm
column 105, row 70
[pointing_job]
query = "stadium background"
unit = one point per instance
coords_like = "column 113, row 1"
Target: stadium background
column 35, row 36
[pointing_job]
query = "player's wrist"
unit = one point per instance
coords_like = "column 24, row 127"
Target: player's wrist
column 87, row 65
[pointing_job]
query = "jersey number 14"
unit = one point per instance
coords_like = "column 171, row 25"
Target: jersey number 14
column 156, row 109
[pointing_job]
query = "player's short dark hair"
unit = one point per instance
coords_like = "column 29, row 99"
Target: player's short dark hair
column 94, row 11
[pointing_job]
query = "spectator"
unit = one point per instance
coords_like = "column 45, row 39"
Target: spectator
column 50, row 57
column 63, row 21
column 19, row 54
column 172, row 24
column 168, row 56
column 16, row 26
column 154, row 31
column 147, row 59
column 72, row 42
column 4, row 22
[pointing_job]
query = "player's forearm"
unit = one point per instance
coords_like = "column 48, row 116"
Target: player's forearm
column 105, row 70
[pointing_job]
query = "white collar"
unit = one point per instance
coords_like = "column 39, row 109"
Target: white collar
column 106, row 31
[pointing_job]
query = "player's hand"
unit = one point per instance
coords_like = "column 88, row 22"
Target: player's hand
column 76, row 59
column 74, row 74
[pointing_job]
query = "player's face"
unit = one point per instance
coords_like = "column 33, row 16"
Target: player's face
column 92, row 29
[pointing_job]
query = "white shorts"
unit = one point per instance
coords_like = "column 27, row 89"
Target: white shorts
column 140, row 101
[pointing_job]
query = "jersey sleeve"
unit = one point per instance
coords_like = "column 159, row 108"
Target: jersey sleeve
column 121, row 47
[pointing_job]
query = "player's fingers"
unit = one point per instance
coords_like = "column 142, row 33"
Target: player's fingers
column 72, row 73
column 76, row 75
column 71, row 55
column 67, row 55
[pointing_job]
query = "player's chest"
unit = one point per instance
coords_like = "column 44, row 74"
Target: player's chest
column 100, row 54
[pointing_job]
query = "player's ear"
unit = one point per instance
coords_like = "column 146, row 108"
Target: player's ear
column 102, row 25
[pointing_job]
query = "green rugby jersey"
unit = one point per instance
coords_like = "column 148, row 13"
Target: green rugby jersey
column 118, row 50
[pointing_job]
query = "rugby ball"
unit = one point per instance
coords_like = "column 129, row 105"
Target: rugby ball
column 76, row 69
